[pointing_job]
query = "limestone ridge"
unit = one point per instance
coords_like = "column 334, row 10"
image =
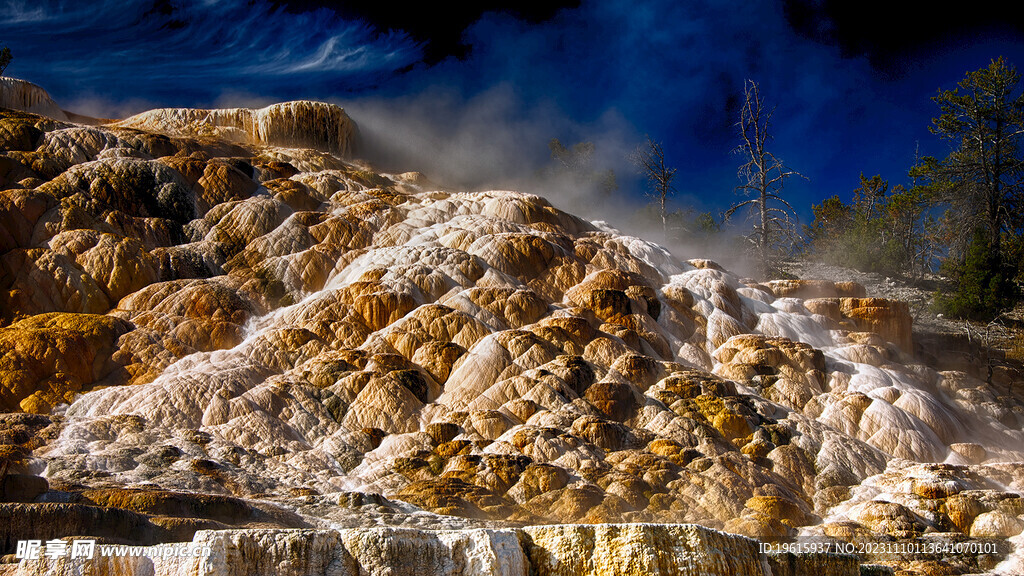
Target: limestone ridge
column 299, row 124
column 27, row 97
column 577, row 550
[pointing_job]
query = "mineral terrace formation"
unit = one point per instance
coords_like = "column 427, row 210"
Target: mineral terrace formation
column 219, row 325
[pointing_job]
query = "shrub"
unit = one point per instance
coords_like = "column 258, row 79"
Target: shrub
column 983, row 283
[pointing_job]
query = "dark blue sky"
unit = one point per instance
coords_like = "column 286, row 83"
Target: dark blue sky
column 474, row 96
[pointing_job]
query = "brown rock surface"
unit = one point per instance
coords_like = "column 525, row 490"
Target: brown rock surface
column 887, row 318
column 50, row 358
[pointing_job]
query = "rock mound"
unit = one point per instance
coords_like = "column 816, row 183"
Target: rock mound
column 300, row 124
column 25, row 96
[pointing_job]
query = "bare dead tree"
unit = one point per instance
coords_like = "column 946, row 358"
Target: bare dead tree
column 649, row 159
column 763, row 176
column 989, row 345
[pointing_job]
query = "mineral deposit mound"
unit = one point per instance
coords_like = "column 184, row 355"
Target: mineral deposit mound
column 220, row 326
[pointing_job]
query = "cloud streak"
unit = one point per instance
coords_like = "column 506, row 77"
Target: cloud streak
column 188, row 53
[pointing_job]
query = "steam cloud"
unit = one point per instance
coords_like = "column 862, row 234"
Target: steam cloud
column 455, row 143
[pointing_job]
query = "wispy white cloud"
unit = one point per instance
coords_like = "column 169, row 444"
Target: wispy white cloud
column 193, row 50
column 16, row 12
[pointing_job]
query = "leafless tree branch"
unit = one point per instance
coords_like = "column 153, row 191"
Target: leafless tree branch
column 763, row 176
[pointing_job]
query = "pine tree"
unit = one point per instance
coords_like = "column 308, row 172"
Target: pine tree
column 981, row 182
column 983, row 119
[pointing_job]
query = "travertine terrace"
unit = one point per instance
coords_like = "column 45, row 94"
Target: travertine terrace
column 223, row 320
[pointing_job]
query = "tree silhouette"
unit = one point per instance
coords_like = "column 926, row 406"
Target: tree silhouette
column 5, row 59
